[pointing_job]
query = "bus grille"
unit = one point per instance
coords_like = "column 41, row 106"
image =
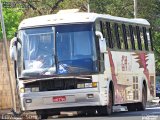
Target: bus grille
column 57, row 84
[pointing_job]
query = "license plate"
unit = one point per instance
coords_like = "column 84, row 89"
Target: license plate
column 59, row 99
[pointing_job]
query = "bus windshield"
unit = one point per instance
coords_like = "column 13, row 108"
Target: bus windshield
column 75, row 48
column 62, row 49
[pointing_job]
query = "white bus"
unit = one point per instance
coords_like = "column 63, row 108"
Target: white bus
column 83, row 61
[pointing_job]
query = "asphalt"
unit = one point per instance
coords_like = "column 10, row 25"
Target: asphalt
column 119, row 108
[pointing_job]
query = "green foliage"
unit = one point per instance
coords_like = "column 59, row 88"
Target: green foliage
column 147, row 9
column 113, row 7
column 12, row 18
column 157, row 50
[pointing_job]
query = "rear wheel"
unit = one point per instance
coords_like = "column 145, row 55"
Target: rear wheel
column 139, row 106
column 107, row 110
column 142, row 105
column 132, row 107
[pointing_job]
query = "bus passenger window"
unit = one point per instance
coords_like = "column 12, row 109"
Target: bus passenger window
column 117, row 35
column 135, row 38
column 149, row 38
column 132, row 37
column 124, row 36
column 101, row 28
column 138, row 35
column 109, row 34
column 142, row 38
column 145, row 38
column 104, row 32
column 128, row 38
column 121, row 36
column 114, row 41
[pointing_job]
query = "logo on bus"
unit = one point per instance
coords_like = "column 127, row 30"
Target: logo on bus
column 124, row 63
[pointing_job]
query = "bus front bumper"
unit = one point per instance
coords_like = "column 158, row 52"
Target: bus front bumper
column 62, row 99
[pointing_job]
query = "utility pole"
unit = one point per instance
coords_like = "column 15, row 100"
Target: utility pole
column 13, row 103
column 135, row 8
column 88, row 6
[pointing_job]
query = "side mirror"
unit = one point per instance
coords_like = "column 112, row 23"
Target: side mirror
column 13, row 49
column 102, row 42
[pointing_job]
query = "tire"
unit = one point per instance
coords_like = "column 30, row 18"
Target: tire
column 139, row 106
column 107, row 110
column 132, row 107
column 88, row 113
column 142, row 105
column 41, row 116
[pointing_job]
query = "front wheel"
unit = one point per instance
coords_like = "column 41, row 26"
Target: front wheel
column 107, row 110
column 41, row 115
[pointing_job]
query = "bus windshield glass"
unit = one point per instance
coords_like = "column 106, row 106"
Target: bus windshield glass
column 75, row 48
column 63, row 49
column 38, row 48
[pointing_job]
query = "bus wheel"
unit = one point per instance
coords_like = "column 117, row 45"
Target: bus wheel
column 90, row 112
column 132, row 107
column 41, row 115
column 142, row 105
column 107, row 110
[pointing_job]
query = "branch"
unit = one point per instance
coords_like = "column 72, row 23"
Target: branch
column 56, row 5
column 34, row 8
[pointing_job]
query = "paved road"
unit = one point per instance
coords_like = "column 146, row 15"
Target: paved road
column 151, row 113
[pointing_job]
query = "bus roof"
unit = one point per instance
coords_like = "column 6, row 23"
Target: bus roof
column 75, row 17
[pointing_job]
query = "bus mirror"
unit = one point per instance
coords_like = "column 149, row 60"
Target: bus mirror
column 102, row 42
column 99, row 34
column 13, row 50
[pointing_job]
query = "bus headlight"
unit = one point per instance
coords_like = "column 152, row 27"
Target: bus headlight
column 87, row 85
column 28, row 90
column 80, row 85
column 91, row 85
column 22, row 90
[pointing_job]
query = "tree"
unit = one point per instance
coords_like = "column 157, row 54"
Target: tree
column 12, row 18
column 147, row 9
column 44, row 7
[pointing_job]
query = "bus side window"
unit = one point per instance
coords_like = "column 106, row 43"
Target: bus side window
column 142, row 38
column 109, row 34
column 124, row 36
column 132, row 37
column 117, row 35
column 145, row 38
column 121, row 36
column 101, row 28
column 138, row 38
column 128, row 38
column 98, row 26
column 114, row 41
column 150, row 34
column 149, row 38
column 104, row 32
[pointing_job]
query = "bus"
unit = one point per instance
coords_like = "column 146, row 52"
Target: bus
column 84, row 62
